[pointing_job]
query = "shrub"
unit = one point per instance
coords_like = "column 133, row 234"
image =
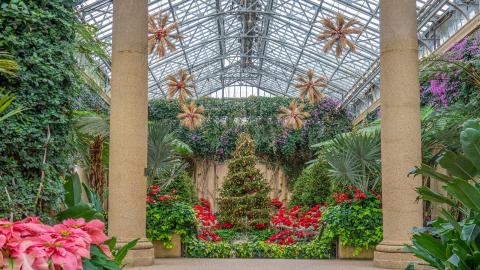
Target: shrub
column 182, row 186
column 259, row 249
column 167, row 215
column 355, row 220
column 313, row 186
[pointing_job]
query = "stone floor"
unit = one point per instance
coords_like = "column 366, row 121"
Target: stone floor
column 257, row 264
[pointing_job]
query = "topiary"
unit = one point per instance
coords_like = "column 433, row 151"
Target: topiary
column 244, row 197
column 313, row 186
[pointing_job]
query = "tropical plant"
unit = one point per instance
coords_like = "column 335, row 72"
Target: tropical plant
column 450, row 243
column 244, row 200
column 354, row 159
column 310, row 87
column 6, row 100
column 164, row 160
column 192, row 116
column 293, row 116
column 160, row 35
column 180, row 84
column 7, row 65
column 93, row 132
column 336, row 31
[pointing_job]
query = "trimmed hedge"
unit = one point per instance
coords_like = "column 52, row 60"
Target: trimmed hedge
column 311, row 250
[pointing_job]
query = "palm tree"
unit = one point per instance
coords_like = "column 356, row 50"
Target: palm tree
column 336, row 31
column 165, row 152
column 93, row 131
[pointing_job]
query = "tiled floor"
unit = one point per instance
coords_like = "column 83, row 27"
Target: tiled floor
column 258, row 264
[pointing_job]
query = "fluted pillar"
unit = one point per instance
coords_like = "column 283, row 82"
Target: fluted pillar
column 128, row 129
column 401, row 138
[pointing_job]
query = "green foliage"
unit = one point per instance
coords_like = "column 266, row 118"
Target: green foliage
column 99, row 261
column 244, row 197
column 227, row 118
column 233, row 235
column 168, row 217
column 258, row 249
column 75, row 207
column 313, row 186
column 453, row 244
column 40, row 36
column 354, row 159
column 357, row 224
column 183, row 188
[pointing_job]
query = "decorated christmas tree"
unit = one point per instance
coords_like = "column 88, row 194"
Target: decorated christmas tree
column 244, row 200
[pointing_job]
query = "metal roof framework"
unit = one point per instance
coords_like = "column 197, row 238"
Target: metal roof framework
column 266, row 43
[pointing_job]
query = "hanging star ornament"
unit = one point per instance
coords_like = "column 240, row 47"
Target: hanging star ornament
column 160, row 35
column 310, row 87
column 293, row 116
column 191, row 116
column 336, row 32
column 180, row 85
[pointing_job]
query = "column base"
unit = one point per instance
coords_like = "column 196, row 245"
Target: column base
column 141, row 255
column 391, row 255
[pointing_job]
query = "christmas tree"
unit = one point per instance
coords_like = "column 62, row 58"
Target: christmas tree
column 244, row 200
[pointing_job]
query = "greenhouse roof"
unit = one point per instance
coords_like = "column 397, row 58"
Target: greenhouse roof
column 277, row 43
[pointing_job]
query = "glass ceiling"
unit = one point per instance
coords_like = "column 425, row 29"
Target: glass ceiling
column 277, row 43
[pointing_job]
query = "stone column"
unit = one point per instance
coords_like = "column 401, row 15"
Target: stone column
column 401, row 139
column 128, row 129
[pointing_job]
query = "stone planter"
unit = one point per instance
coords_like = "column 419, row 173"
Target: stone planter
column 174, row 252
column 346, row 253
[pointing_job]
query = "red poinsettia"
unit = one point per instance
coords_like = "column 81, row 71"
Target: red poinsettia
column 293, row 226
column 207, row 222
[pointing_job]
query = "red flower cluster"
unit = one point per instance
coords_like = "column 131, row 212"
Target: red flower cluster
column 353, row 194
column 207, row 221
column 153, row 195
column 277, row 203
column 294, row 227
column 29, row 244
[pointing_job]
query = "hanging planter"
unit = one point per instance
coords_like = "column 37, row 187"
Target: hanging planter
column 180, row 85
column 160, row 35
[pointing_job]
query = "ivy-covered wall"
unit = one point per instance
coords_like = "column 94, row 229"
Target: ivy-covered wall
column 225, row 119
column 34, row 146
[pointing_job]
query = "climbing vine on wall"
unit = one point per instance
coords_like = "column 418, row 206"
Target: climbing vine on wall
column 34, row 146
column 227, row 118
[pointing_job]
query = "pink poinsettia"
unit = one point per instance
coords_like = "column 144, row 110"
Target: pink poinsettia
column 29, row 244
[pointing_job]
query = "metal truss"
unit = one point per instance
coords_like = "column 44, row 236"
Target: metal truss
column 265, row 43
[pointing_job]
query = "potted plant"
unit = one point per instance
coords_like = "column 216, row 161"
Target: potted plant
column 168, row 221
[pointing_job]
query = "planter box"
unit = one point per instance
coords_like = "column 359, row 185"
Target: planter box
column 346, row 253
column 174, row 252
